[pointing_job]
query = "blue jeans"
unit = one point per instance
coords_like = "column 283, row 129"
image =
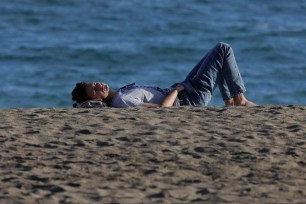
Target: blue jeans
column 217, row 68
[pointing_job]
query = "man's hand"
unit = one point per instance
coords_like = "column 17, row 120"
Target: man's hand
column 170, row 98
column 179, row 88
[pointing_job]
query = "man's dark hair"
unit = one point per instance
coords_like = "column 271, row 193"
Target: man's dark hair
column 79, row 93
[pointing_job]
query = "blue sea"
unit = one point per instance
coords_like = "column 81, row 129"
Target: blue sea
column 46, row 46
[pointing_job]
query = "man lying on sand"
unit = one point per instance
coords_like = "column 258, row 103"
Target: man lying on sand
column 217, row 68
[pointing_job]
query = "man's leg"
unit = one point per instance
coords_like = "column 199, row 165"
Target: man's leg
column 218, row 67
column 225, row 93
column 233, row 79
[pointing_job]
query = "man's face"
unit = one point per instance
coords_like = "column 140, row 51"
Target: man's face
column 96, row 90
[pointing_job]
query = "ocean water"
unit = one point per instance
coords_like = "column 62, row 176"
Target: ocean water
column 46, row 46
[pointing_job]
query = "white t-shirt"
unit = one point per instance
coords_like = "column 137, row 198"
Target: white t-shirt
column 138, row 95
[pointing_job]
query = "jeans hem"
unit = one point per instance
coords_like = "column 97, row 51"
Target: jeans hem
column 238, row 92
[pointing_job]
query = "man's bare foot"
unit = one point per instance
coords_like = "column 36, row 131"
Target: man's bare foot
column 246, row 103
column 240, row 100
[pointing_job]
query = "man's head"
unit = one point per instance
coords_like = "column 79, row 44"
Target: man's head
column 84, row 91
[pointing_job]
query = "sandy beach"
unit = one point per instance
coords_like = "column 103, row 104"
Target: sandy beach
column 153, row 155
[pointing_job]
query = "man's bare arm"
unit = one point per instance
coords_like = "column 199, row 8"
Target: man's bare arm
column 169, row 99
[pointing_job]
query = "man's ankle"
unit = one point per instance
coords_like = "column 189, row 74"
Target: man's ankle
column 239, row 100
column 229, row 102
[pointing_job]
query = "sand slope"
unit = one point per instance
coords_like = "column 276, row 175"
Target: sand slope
column 150, row 155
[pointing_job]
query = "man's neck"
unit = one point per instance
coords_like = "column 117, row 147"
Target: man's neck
column 111, row 94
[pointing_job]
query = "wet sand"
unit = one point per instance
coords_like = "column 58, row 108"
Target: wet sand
column 152, row 155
